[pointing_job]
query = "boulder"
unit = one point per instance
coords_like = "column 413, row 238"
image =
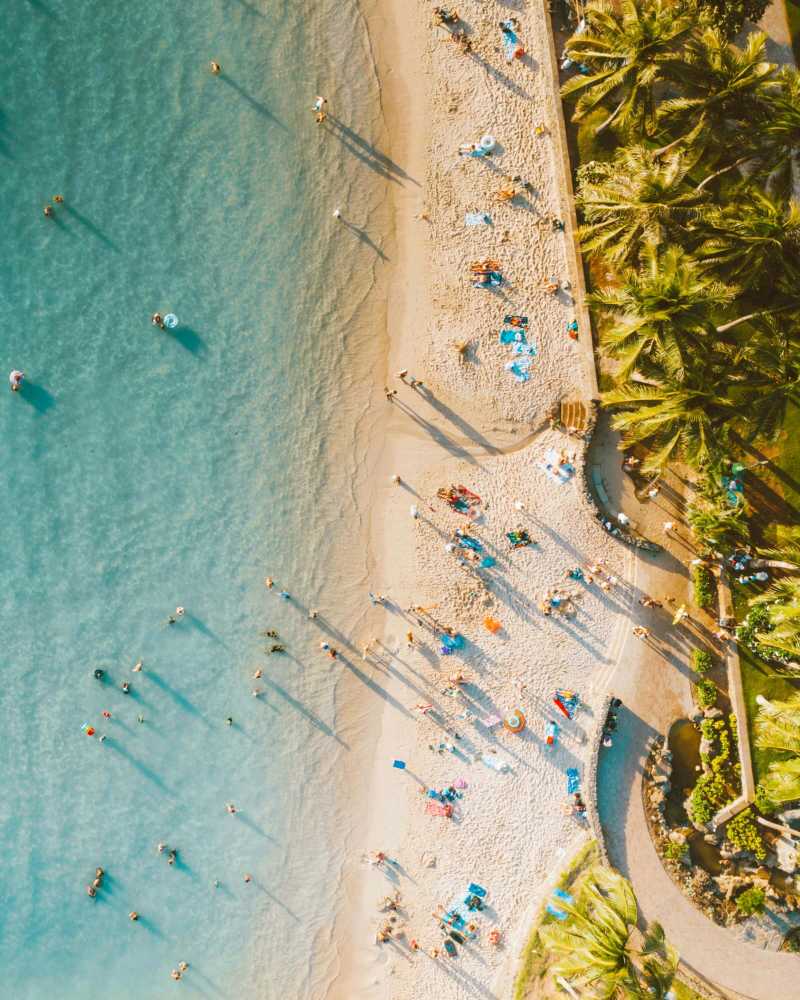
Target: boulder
column 713, row 713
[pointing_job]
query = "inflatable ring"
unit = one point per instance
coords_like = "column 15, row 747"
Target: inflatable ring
column 514, row 722
column 488, row 143
column 170, row 321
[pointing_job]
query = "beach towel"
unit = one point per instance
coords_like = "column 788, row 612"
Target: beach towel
column 554, row 911
column 514, row 320
column 476, row 890
column 573, row 780
column 477, row 219
column 466, row 542
column 523, row 349
column 563, row 894
column 512, row 336
column 518, row 370
column 437, row 809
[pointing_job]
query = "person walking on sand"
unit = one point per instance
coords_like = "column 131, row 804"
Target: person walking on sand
column 668, row 526
column 389, row 393
column 269, row 583
column 402, row 374
column 641, row 632
column 337, row 213
column 319, row 104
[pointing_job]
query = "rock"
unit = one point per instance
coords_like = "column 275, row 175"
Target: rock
column 713, row 838
column 677, row 837
column 713, row 713
column 706, row 746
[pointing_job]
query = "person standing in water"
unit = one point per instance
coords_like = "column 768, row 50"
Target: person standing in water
column 15, row 380
column 216, row 69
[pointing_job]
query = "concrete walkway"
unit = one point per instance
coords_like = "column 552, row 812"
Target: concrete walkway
column 652, row 678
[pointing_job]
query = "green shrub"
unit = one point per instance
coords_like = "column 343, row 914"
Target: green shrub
column 757, row 620
column 703, row 581
column 675, row 851
column 709, row 795
column 751, row 901
column 763, row 802
column 701, row 661
column 742, row 832
column 706, row 694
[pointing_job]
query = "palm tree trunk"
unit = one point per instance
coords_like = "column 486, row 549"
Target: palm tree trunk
column 717, row 173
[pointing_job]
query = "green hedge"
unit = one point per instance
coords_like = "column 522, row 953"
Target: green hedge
column 704, row 590
column 701, row 661
column 742, row 832
column 706, row 694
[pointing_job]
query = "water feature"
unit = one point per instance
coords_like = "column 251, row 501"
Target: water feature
column 149, row 469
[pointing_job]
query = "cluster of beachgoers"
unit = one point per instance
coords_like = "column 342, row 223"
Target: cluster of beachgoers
column 502, row 617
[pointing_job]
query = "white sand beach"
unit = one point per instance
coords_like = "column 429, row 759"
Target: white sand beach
column 473, row 423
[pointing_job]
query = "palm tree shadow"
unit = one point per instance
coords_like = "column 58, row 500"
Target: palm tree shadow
column 262, row 109
column 39, row 397
column 88, row 224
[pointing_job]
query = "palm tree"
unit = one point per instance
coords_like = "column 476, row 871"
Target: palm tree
column 782, row 604
column 778, row 729
column 683, row 412
column 635, row 199
column 716, row 525
column 763, row 376
column 723, row 86
column 778, row 130
column 751, row 241
column 664, row 309
column 628, row 47
column 594, row 947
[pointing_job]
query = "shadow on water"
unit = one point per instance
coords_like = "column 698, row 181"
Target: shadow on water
column 201, row 626
column 143, row 769
column 93, row 229
column 300, row 707
column 365, row 239
column 43, row 9
column 251, row 8
column 38, row 397
column 367, row 153
column 262, row 109
column 274, row 898
column 180, row 699
column 189, row 339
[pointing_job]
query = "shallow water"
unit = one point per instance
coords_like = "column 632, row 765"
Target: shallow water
column 149, row 469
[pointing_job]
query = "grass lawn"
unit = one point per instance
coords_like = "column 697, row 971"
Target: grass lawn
column 760, row 678
column 776, row 503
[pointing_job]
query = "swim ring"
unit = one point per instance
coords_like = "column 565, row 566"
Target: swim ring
column 514, row 722
column 170, row 321
column 488, row 143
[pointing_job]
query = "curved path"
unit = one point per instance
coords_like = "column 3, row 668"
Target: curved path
column 652, row 678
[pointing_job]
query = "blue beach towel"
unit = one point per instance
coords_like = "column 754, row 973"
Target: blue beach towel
column 516, row 336
column 555, row 912
column 573, row 780
column 477, row 219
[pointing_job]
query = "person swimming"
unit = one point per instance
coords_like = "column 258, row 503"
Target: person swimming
column 48, row 211
column 99, row 674
column 158, row 320
column 126, row 688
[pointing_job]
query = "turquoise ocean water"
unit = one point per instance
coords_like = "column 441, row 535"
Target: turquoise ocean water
column 148, row 469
